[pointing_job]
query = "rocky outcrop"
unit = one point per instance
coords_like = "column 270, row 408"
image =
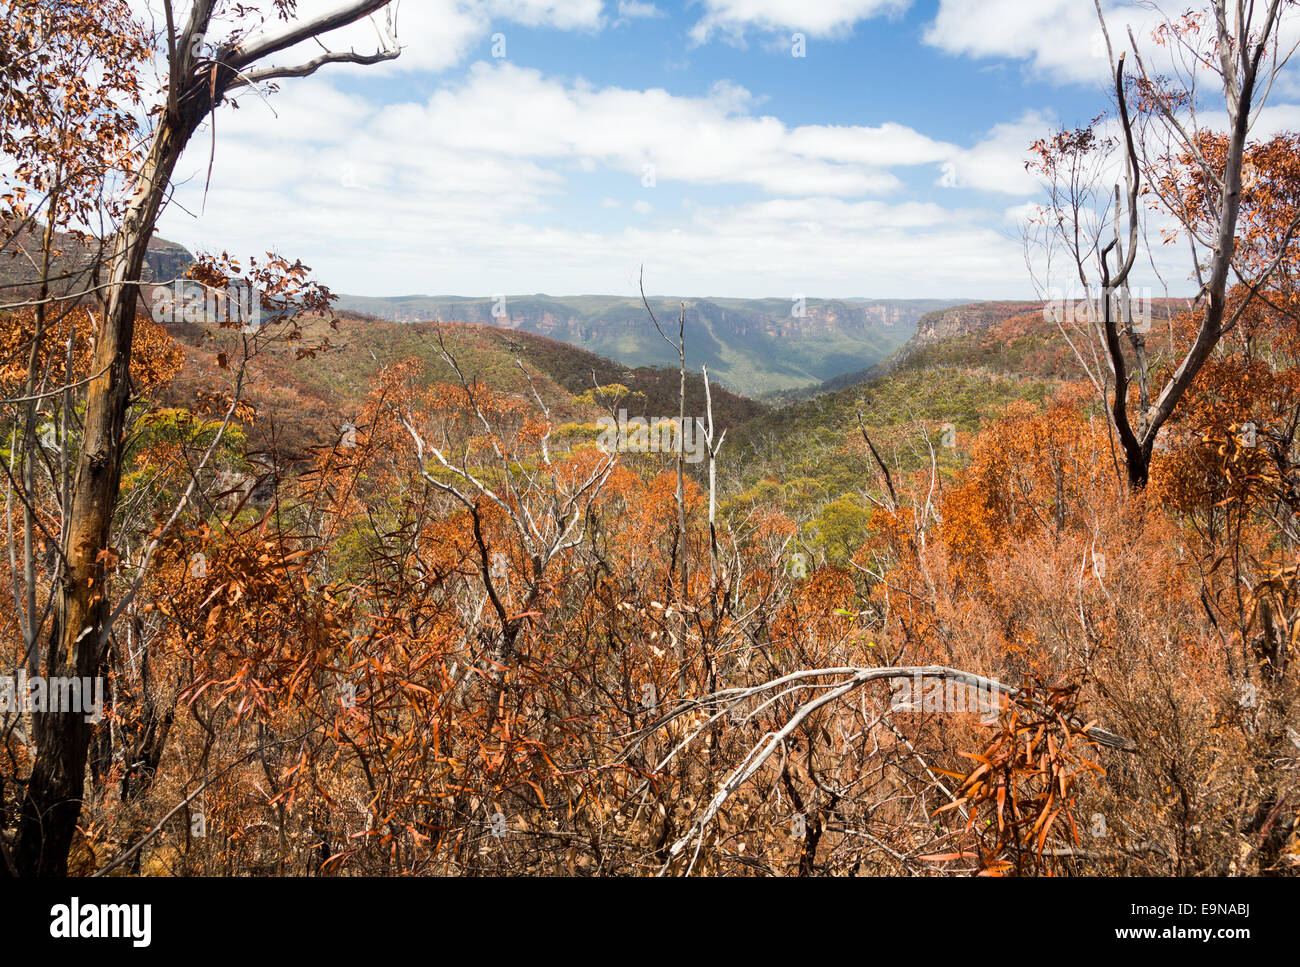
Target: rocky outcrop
column 166, row 260
column 958, row 321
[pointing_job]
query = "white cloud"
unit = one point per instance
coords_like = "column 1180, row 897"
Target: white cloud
column 1063, row 40
column 510, row 111
column 821, row 18
column 636, row 10
column 1287, row 84
column 463, row 192
column 435, row 34
column 469, row 190
column 1018, row 215
column 383, row 209
column 821, row 215
column 1272, row 120
column 889, row 144
column 997, row 163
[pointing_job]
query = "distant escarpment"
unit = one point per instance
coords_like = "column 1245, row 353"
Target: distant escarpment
column 753, row 346
column 940, row 327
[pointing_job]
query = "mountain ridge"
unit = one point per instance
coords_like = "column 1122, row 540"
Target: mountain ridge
column 934, row 328
column 769, row 348
column 753, row 346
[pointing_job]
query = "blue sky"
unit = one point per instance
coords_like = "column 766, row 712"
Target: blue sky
column 887, row 162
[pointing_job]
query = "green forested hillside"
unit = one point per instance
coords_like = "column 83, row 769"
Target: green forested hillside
column 811, row 455
column 309, row 398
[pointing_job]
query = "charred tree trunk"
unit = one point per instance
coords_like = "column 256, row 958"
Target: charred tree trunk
column 52, row 805
column 78, row 637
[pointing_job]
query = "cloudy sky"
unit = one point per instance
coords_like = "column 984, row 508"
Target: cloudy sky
column 748, row 148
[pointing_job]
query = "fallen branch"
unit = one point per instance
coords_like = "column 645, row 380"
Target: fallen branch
column 849, row 680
